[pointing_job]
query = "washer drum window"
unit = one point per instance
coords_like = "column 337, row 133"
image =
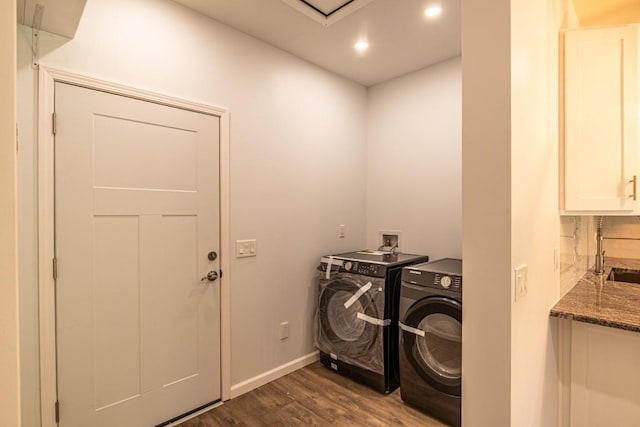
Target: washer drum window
column 342, row 330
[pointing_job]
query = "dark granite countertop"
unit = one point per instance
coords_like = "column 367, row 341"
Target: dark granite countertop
column 597, row 300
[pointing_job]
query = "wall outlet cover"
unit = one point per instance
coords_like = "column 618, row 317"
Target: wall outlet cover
column 284, row 330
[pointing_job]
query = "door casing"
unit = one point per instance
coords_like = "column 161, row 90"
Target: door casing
column 46, row 284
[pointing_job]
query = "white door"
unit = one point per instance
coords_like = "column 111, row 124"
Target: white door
column 136, row 214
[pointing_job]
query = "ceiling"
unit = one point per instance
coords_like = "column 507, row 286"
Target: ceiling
column 401, row 39
column 323, row 32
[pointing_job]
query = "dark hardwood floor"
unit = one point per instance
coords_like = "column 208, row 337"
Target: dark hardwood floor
column 313, row 396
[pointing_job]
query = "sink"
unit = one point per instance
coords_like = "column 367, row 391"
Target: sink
column 624, row 275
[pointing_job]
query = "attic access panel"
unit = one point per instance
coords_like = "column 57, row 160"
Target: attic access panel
column 327, row 12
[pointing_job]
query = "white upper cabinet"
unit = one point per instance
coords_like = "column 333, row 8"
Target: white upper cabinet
column 601, row 115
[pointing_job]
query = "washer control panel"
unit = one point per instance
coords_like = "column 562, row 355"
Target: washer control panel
column 354, row 267
column 365, row 268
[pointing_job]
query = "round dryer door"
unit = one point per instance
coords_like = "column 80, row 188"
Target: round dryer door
column 342, row 330
column 432, row 342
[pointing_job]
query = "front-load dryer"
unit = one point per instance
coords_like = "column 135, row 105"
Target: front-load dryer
column 358, row 298
column 431, row 338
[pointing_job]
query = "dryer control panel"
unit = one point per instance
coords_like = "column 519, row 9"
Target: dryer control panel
column 442, row 274
column 448, row 282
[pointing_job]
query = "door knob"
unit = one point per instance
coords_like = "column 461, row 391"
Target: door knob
column 211, row 276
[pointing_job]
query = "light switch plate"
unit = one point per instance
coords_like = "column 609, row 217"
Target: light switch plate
column 520, row 281
column 246, row 248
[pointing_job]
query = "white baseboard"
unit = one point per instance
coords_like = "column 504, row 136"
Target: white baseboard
column 274, row 374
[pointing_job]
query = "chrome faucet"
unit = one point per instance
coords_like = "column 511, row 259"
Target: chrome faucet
column 599, row 264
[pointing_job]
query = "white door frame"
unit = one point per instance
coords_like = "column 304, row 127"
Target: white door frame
column 46, row 284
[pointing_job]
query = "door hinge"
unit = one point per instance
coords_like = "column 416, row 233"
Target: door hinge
column 54, row 123
column 17, row 138
column 57, row 411
column 55, row 268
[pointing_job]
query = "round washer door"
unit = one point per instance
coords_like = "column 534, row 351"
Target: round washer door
column 343, row 331
column 436, row 356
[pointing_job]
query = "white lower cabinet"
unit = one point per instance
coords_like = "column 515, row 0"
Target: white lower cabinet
column 605, row 376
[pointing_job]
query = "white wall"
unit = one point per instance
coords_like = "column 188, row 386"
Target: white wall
column 297, row 142
column 486, row 213
column 510, row 202
column 28, row 240
column 535, row 218
column 9, row 330
column 414, row 146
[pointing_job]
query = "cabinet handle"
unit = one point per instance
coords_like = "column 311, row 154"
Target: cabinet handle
column 634, row 181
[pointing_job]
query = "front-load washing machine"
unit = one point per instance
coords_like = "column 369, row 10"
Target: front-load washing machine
column 357, row 305
column 431, row 338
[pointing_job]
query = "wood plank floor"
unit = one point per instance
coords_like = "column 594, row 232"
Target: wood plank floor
column 313, row 396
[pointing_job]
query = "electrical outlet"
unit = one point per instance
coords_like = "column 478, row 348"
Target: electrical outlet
column 521, row 281
column 341, row 233
column 284, row 330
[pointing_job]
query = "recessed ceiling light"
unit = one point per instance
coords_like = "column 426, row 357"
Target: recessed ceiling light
column 361, row 45
column 433, row 11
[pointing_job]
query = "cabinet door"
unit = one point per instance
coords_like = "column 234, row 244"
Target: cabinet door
column 605, row 379
column 601, row 96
